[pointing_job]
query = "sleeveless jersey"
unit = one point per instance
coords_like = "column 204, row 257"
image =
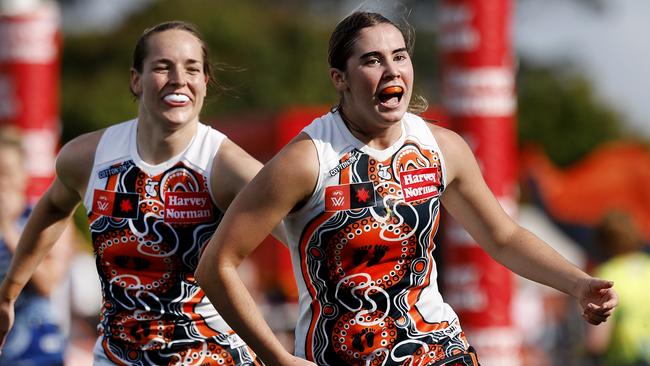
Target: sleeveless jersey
column 149, row 224
column 362, row 251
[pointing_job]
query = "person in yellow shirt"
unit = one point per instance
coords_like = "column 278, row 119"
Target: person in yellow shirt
column 623, row 340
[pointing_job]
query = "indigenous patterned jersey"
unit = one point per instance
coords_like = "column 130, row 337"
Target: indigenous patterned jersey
column 362, row 252
column 149, row 225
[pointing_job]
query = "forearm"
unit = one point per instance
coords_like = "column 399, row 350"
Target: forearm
column 530, row 257
column 44, row 227
column 235, row 304
column 52, row 271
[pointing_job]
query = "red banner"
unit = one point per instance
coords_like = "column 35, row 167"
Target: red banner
column 478, row 96
column 30, row 44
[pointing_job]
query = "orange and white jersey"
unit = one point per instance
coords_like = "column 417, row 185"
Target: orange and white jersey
column 362, row 251
column 149, row 224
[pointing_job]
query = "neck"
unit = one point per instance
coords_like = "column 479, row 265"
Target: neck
column 156, row 145
column 376, row 136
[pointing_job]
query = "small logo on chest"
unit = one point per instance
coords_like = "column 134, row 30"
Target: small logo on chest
column 350, row 196
column 121, row 205
column 116, row 169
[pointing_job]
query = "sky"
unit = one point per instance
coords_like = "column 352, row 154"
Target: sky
column 611, row 46
column 97, row 14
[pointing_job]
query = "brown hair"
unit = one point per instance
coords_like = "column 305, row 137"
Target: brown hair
column 617, row 234
column 141, row 50
column 346, row 34
column 347, row 31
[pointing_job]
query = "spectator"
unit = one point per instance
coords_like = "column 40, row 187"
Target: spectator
column 624, row 340
column 38, row 337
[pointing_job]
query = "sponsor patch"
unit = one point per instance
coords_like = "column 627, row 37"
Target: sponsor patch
column 419, row 184
column 188, row 207
column 116, row 169
column 116, row 204
column 350, row 196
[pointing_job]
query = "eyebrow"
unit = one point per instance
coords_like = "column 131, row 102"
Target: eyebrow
column 375, row 53
column 167, row 60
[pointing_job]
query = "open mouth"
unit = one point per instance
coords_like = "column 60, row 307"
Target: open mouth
column 391, row 96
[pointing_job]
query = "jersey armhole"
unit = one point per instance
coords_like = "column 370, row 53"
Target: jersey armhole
column 319, row 180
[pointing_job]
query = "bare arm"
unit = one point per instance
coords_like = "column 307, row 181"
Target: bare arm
column 47, row 222
column 54, row 267
column 52, row 270
column 472, row 204
column 284, row 182
column 44, row 226
column 232, row 169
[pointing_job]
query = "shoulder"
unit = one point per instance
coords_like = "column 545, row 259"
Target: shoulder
column 457, row 153
column 231, row 159
column 449, row 141
column 322, row 127
column 299, row 152
column 232, row 168
column 75, row 160
column 296, row 166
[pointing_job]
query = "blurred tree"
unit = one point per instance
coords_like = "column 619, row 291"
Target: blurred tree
column 558, row 109
column 283, row 62
column 270, row 58
column 283, row 58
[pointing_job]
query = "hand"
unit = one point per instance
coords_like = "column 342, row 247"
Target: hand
column 598, row 300
column 6, row 320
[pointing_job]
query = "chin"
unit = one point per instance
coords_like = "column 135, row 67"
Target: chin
column 394, row 115
column 178, row 119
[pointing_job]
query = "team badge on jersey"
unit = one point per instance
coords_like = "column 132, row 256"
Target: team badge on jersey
column 121, row 205
column 419, row 184
column 350, row 196
column 188, row 207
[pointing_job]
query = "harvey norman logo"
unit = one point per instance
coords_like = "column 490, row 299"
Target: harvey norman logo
column 188, row 207
column 419, row 184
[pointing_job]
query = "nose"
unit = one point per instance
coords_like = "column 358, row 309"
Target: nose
column 177, row 76
column 391, row 70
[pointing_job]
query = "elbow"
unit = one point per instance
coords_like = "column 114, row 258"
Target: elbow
column 202, row 272
column 504, row 240
column 207, row 274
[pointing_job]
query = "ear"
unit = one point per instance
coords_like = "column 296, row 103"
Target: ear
column 338, row 79
column 136, row 86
